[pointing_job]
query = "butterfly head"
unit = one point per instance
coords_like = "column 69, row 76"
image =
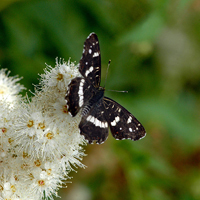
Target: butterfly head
column 101, row 88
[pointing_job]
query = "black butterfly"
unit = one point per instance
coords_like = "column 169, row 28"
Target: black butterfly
column 98, row 112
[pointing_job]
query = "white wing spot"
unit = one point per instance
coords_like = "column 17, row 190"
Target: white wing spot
column 106, row 124
column 129, row 120
column 89, row 71
column 130, row 129
column 92, row 120
column 88, row 118
column 97, row 122
column 90, row 51
column 95, row 54
column 80, row 92
column 80, row 102
column 117, row 118
column 114, row 122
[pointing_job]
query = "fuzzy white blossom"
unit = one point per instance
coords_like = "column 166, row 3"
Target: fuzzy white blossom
column 9, row 88
column 40, row 142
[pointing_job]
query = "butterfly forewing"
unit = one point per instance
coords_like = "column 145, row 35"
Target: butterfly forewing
column 78, row 92
column 123, row 124
column 90, row 63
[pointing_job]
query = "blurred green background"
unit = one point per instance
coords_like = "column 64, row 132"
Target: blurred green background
column 155, row 51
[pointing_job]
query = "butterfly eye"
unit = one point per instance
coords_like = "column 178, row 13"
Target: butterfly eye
column 101, row 89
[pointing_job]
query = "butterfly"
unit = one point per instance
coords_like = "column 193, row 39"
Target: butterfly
column 98, row 112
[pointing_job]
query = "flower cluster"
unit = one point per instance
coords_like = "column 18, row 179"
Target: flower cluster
column 39, row 141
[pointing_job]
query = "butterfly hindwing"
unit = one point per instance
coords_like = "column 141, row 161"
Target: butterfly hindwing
column 123, row 124
column 90, row 63
column 94, row 125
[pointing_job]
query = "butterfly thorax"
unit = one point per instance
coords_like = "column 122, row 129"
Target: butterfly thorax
column 98, row 95
column 95, row 100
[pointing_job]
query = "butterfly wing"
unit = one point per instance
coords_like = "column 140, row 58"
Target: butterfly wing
column 90, row 63
column 81, row 90
column 78, row 92
column 123, row 124
column 94, row 125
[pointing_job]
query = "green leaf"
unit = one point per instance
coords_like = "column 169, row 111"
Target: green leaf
column 147, row 30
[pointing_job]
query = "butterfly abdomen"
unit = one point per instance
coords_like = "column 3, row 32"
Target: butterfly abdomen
column 86, row 109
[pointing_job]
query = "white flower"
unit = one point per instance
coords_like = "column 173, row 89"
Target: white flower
column 60, row 75
column 9, row 88
column 40, row 141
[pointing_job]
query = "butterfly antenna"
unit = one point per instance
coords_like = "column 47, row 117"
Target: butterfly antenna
column 118, row 91
column 106, row 79
column 107, row 72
